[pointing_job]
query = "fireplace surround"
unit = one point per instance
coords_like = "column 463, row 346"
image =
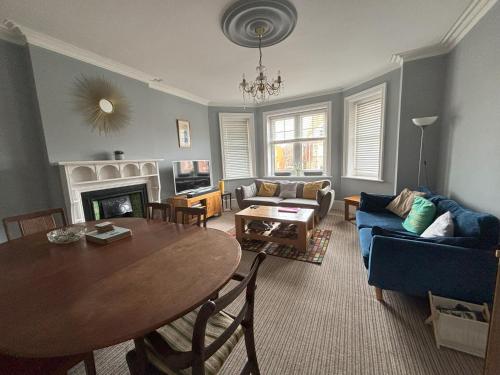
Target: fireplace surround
column 81, row 177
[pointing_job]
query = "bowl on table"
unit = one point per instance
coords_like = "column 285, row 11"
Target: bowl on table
column 67, row 234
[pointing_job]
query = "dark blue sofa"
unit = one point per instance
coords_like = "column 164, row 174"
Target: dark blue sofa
column 461, row 267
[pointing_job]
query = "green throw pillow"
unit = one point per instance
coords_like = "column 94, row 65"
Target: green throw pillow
column 421, row 216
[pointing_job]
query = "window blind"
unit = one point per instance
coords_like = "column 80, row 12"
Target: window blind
column 367, row 126
column 236, row 146
column 364, row 133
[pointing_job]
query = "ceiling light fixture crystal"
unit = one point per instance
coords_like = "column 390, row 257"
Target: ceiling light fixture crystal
column 261, row 88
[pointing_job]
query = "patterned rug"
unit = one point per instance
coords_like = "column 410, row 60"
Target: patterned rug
column 315, row 253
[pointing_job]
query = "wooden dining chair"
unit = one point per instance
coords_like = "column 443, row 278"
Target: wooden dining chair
column 213, row 335
column 199, row 212
column 34, row 222
column 43, row 366
column 154, row 208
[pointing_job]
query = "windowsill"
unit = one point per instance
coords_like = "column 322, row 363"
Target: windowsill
column 362, row 178
column 239, row 178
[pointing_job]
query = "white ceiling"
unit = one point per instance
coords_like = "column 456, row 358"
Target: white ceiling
column 335, row 43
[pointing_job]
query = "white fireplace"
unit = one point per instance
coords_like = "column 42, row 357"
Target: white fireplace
column 78, row 177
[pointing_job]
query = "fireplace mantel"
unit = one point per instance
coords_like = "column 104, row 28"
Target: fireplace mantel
column 82, row 176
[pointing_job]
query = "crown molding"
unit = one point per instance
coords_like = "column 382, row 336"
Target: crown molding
column 11, row 34
column 42, row 40
column 467, row 20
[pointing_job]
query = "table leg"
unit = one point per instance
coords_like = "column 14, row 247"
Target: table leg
column 240, row 227
column 230, row 202
column 346, row 211
column 302, row 236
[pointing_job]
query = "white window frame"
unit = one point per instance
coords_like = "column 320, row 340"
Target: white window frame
column 348, row 141
column 251, row 141
column 295, row 111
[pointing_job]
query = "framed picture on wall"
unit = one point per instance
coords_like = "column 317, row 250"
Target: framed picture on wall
column 184, row 133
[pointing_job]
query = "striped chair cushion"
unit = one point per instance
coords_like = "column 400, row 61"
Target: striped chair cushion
column 178, row 336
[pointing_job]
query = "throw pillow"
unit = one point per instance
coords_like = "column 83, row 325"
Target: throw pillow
column 249, row 191
column 402, row 204
column 267, row 189
column 288, row 190
column 441, row 227
column 421, row 215
column 311, row 189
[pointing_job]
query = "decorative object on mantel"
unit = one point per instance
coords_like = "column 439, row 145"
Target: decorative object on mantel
column 184, row 133
column 119, row 155
column 103, row 105
column 257, row 24
column 85, row 176
column 422, row 123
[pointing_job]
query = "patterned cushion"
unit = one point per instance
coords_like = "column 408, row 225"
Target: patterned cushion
column 179, row 334
column 421, row 215
column 249, row 191
column 288, row 189
column 402, row 204
column 311, row 189
column 267, row 189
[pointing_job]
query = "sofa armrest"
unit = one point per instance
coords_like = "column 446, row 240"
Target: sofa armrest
column 240, row 196
column 325, row 199
column 374, row 202
column 415, row 267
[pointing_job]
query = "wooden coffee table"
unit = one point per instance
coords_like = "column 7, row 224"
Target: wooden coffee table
column 303, row 219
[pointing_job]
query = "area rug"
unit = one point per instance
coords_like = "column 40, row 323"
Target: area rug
column 315, row 253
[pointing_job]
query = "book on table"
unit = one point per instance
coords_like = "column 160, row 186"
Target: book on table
column 106, row 237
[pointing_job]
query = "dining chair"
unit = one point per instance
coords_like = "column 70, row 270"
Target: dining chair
column 34, row 222
column 163, row 209
column 43, row 366
column 199, row 212
column 204, row 338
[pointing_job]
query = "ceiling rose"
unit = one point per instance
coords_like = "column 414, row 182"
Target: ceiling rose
column 277, row 17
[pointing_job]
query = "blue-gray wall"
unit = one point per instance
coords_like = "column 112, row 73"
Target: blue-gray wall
column 352, row 186
column 23, row 160
column 343, row 187
column 470, row 152
column 422, row 94
column 152, row 132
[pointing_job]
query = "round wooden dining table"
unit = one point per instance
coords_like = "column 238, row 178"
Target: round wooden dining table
column 59, row 300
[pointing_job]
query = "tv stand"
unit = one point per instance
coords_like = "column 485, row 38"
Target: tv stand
column 211, row 200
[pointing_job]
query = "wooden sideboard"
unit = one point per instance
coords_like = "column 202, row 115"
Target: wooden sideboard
column 212, row 201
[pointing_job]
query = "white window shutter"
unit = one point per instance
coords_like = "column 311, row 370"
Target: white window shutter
column 365, row 127
column 367, row 132
column 236, row 146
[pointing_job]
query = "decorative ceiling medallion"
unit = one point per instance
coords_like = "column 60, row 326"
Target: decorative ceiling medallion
column 241, row 19
column 102, row 104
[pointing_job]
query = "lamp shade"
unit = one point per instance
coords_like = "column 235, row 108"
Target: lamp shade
column 424, row 121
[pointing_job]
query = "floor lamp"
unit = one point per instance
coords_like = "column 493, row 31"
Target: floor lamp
column 422, row 123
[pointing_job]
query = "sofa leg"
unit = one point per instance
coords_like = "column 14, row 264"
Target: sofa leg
column 379, row 295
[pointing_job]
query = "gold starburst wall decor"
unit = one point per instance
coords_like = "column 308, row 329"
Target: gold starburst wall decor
column 104, row 107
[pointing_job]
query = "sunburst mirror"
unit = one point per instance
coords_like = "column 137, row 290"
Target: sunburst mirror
column 102, row 104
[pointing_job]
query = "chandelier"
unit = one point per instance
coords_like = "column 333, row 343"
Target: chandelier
column 261, row 88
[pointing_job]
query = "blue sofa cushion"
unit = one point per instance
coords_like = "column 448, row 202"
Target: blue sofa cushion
column 374, row 203
column 469, row 242
column 386, row 220
column 430, row 195
column 469, row 223
column 365, row 243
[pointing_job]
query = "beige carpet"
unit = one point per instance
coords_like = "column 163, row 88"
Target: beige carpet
column 324, row 319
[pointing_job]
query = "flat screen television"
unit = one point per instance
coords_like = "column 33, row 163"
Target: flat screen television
column 191, row 175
